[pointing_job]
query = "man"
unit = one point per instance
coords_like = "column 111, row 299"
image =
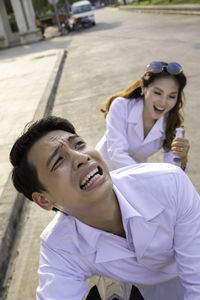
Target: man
column 139, row 224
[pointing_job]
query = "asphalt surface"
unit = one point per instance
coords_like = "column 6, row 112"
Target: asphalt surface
column 28, row 89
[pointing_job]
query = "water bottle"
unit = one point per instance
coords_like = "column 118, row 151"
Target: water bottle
column 179, row 134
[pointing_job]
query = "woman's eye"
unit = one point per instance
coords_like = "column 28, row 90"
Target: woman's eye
column 172, row 97
column 79, row 144
column 57, row 163
column 157, row 93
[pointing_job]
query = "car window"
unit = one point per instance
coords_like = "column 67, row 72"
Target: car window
column 82, row 8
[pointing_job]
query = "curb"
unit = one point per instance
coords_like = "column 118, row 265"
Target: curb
column 165, row 9
column 12, row 202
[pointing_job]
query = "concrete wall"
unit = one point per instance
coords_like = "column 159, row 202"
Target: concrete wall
column 25, row 19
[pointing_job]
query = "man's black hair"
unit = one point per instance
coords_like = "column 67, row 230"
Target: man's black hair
column 24, row 175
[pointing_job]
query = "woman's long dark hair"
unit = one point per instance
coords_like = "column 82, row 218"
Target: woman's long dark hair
column 175, row 115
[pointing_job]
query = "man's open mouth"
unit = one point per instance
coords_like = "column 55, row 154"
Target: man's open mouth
column 90, row 178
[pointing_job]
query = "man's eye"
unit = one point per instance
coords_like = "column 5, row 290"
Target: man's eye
column 79, row 144
column 57, row 163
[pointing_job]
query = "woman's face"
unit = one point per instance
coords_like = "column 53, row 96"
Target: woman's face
column 160, row 97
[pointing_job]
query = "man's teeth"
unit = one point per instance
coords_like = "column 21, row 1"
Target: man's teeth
column 89, row 179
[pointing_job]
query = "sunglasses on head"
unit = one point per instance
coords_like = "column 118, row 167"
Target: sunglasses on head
column 157, row 67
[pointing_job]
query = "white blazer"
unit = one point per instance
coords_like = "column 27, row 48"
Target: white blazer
column 124, row 143
column 160, row 254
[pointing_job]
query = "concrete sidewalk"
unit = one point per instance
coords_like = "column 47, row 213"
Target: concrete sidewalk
column 28, row 81
column 27, row 93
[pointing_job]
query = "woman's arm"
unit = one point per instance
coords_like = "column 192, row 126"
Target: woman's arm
column 116, row 134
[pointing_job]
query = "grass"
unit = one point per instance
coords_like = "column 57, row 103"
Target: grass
column 165, row 2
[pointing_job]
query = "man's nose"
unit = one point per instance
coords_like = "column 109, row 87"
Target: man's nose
column 79, row 159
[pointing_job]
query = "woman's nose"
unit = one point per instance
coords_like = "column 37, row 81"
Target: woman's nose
column 163, row 99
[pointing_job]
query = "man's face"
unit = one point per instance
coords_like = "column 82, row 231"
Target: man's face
column 74, row 175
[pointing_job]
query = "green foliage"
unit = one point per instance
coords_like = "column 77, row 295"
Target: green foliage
column 42, row 7
column 164, row 2
column 8, row 6
column 12, row 21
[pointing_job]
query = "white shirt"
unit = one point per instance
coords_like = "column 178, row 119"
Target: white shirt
column 161, row 253
column 124, row 143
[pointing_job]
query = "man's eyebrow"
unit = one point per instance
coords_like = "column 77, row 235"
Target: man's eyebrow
column 53, row 155
column 69, row 139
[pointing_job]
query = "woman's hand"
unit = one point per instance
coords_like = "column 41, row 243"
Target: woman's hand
column 180, row 147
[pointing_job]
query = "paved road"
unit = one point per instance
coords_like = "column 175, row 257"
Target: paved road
column 107, row 58
column 100, row 61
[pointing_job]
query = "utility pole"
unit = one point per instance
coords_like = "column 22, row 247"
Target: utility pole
column 67, row 6
column 54, row 2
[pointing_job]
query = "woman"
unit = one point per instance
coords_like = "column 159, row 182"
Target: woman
column 143, row 118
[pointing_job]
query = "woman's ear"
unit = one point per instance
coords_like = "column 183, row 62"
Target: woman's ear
column 42, row 201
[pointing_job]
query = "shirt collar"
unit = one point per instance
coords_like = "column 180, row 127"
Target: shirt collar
column 137, row 211
column 135, row 114
column 139, row 208
column 134, row 202
column 106, row 248
column 101, row 244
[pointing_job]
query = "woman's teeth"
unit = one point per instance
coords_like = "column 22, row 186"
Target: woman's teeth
column 159, row 108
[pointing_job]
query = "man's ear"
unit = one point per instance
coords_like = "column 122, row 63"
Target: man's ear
column 42, row 201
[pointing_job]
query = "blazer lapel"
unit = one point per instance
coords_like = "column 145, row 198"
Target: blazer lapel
column 135, row 118
column 157, row 131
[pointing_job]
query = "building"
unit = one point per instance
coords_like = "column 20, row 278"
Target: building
column 17, row 23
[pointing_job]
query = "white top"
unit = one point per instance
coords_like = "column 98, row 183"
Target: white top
column 124, row 143
column 161, row 217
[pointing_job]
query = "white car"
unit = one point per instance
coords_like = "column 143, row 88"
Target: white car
column 82, row 14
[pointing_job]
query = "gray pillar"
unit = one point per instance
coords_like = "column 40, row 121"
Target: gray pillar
column 19, row 16
column 25, row 19
column 4, row 26
column 32, row 12
column 29, row 12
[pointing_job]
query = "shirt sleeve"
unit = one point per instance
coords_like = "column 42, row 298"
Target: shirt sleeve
column 60, row 278
column 187, row 237
column 116, row 134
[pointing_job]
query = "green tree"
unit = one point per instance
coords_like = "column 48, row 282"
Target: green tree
column 41, row 6
column 8, row 6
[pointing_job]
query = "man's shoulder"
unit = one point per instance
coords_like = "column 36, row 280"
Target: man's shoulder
column 147, row 177
column 147, row 170
column 147, row 186
column 60, row 228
